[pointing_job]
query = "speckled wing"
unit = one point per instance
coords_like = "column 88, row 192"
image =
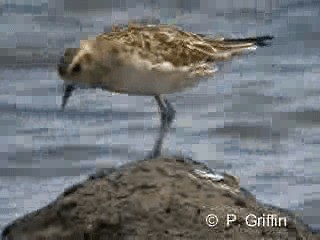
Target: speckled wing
column 163, row 43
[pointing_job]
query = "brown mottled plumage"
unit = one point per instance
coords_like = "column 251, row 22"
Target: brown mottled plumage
column 168, row 43
column 149, row 60
column 162, row 58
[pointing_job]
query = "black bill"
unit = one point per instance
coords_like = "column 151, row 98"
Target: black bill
column 68, row 89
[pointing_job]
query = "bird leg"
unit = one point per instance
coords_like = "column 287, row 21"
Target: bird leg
column 167, row 114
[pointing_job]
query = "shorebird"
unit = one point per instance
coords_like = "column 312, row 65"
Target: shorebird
column 149, row 60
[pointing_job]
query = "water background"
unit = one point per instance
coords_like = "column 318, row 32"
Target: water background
column 258, row 119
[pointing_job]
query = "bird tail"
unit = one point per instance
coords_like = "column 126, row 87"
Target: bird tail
column 261, row 41
column 227, row 48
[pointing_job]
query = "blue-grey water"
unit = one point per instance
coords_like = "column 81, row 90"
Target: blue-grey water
column 258, row 118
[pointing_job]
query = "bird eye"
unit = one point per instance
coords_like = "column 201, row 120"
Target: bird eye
column 76, row 68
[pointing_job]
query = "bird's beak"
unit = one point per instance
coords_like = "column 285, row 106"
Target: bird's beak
column 68, row 89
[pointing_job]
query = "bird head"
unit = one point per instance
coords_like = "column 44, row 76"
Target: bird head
column 79, row 66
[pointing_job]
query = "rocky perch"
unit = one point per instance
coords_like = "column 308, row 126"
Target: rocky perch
column 163, row 198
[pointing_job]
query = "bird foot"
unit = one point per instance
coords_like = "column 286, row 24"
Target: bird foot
column 153, row 154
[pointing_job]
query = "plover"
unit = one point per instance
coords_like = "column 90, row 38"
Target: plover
column 149, row 60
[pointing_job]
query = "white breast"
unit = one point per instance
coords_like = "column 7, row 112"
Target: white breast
column 140, row 77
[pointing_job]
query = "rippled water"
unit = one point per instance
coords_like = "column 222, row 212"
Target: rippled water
column 258, row 118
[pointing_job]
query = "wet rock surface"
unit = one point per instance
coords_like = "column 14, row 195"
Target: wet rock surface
column 163, row 198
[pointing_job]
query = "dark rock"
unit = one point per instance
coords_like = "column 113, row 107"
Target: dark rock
column 162, row 198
